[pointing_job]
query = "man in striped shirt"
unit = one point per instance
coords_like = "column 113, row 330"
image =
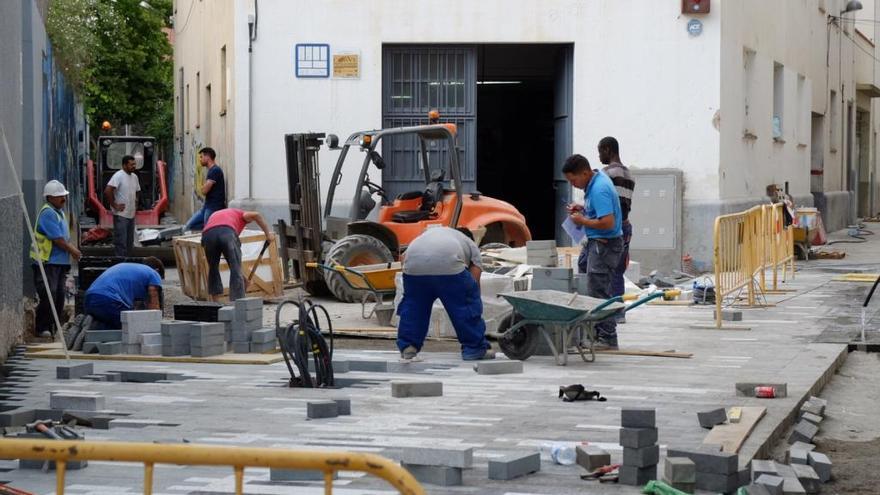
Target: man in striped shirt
column 609, row 155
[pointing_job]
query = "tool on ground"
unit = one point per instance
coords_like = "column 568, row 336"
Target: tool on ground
column 257, row 262
column 765, row 392
column 376, row 281
column 301, row 342
column 50, row 430
column 572, row 393
column 599, row 473
column 8, row 490
column 555, row 312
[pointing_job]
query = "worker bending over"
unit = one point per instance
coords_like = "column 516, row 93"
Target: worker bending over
column 220, row 236
column 442, row 263
column 125, row 287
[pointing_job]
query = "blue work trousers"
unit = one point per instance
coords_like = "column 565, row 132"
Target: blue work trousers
column 460, row 295
column 105, row 311
column 600, row 259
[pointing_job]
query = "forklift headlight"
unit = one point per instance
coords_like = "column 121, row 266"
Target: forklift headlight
column 365, row 141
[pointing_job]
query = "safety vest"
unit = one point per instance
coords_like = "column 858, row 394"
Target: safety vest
column 43, row 248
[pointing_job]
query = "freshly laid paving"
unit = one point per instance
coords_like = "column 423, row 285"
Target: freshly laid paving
column 502, row 417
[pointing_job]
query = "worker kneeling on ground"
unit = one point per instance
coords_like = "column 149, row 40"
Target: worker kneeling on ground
column 220, row 236
column 442, row 263
column 121, row 288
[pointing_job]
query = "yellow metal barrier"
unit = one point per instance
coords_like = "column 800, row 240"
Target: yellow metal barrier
column 150, row 454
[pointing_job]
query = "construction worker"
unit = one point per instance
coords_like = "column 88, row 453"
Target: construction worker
column 55, row 251
column 121, row 193
column 125, row 287
column 442, row 263
column 220, row 236
column 609, row 155
column 214, row 190
column 601, row 219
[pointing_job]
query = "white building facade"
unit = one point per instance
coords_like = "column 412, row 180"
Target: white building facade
column 709, row 109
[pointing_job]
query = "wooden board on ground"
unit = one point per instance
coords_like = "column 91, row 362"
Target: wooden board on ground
column 229, row 358
column 731, row 436
column 386, row 333
column 711, row 326
column 868, row 278
column 639, row 352
column 676, row 302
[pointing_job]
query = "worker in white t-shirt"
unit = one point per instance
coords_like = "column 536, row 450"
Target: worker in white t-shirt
column 121, row 194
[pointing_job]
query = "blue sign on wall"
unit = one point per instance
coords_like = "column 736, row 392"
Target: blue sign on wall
column 312, row 59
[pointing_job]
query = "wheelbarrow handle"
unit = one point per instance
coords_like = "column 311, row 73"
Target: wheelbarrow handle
column 650, row 297
column 338, row 268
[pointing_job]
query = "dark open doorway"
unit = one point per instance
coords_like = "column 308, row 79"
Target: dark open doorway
column 516, row 85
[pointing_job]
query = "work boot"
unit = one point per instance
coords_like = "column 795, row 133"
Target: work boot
column 409, row 355
column 604, row 345
column 489, row 354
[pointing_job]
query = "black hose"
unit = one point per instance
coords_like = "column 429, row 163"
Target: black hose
column 301, row 341
column 871, row 293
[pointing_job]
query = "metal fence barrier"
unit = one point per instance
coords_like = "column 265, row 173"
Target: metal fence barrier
column 746, row 245
column 150, row 454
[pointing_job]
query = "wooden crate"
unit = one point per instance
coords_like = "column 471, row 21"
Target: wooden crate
column 192, row 266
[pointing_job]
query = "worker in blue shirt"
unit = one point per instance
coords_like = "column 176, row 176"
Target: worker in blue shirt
column 55, row 251
column 125, row 287
column 214, row 190
column 600, row 217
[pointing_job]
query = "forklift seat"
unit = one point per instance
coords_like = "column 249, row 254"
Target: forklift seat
column 433, row 194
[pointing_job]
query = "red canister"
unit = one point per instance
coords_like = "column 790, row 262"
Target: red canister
column 765, row 392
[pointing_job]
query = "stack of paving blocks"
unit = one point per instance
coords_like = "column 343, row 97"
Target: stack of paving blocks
column 716, row 471
column 94, row 338
column 541, row 253
column 437, row 466
column 207, row 339
column 151, row 343
column 135, row 323
column 263, row 340
column 561, row 279
column 248, row 318
column 641, row 454
column 226, row 315
column 175, row 338
column 680, row 473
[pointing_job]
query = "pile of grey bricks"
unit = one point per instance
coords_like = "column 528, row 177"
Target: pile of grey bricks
column 714, row 470
column 541, row 253
column 244, row 326
column 437, row 466
column 558, row 278
column 807, row 469
column 641, row 454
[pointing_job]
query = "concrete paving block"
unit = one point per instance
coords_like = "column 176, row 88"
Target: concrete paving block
column 537, row 245
column 368, row 365
column 103, row 335
column 277, row 474
column 804, row 431
column 747, row 389
column 247, row 326
column 713, row 417
column 90, row 348
column 76, row 400
column 416, row 389
column 343, row 406
column 226, row 313
column 319, row 409
column 73, row 371
column 634, row 476
column 435, row 475
column 791, row 485
column 760, row 466
column 773, row 484
column 110, row 348
column 151, row 350
column 552, row 273
column 812, row 408
column 635, row 438
column 638, row 418
column 808, row 478
column 263, row 335
column 239, row 335
column 150, row 338
column 679, row 470
column 48, row 414
column 812, row 418
column 820, row 401
column 641, row 457
column 803, row 446
column 514, row 465
column 248, row 303
column 548, row 283
column 175, row 350
column 498, row 367
column 95, row 378
column 821, row 464
column 140, row 316
column 718, row 483
column 709, row 462
column 264, row 347
column 133, row 423
column 17, row 417
column 113, row 376
column 683, row 486
column 175, row 327
column 457, row 457
column 729, row 315
column 131, row 349
column 241, row 347
column 796, row 456
column 215, row 350
column 591, row 457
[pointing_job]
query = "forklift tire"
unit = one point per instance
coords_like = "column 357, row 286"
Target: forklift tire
column 317, row 288
column 353, row 250
column 520, row 344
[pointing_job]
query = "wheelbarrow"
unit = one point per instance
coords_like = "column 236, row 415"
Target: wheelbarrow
column 551, row 312
column 376, row 282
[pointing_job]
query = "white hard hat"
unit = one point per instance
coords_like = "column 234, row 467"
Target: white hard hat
column 54, row 188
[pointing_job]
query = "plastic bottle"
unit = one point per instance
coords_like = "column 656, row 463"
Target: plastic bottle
column 560, row 453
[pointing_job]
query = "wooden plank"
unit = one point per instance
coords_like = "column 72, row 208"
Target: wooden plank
column 642, row 352
column 732, row 436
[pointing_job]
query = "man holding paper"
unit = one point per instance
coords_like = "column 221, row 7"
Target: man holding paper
column 601, row 220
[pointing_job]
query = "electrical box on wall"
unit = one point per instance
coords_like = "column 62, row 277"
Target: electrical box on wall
column 694, row 6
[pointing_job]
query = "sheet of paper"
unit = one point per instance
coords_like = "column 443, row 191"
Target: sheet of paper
column 573, row 230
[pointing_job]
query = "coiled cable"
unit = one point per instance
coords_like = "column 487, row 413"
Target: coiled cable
column 301, row 342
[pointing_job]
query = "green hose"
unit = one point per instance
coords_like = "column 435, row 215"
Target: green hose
column 661, row 488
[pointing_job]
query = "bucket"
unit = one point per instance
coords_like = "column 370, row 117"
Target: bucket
column 384, row 313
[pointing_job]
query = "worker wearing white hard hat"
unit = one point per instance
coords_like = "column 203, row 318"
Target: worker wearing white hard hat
column 55, row 251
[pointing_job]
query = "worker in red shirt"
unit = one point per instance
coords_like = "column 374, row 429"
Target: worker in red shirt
column 220, row 236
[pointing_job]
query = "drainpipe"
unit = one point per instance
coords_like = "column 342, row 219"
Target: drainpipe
column 252, row 36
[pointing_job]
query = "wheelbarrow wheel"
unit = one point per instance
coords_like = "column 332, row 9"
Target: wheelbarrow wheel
column 519, row 344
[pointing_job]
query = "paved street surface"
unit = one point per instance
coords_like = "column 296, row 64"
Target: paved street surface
column 249, row 404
